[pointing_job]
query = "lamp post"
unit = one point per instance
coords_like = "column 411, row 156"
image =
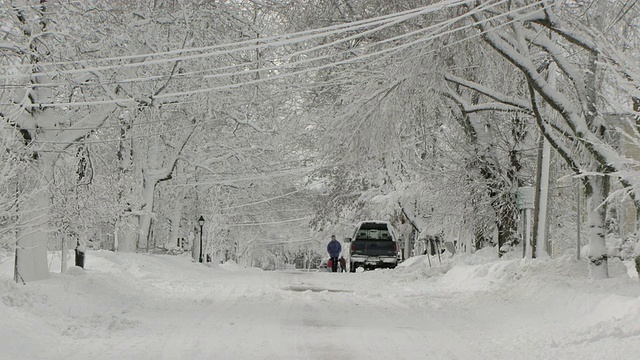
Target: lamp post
column 201, row 222
column 235, row 251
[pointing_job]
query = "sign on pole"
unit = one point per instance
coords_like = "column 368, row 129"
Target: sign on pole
column 526, row 197
column 526, row 201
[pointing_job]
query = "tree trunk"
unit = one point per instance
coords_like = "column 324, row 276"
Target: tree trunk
column 636, row 201
column 151, row 178
column 31, row 252
column 144, row 218
column 175, row 218
column 125, row 237
column 596, row 192
column 32, row 263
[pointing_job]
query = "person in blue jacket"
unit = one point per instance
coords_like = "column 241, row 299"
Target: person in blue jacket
column 334, row 248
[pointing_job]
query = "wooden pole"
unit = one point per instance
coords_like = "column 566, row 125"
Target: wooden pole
column 63, row 255
column 578, row 220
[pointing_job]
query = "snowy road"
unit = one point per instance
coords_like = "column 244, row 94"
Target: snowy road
column 136, row 306
column 275, row 315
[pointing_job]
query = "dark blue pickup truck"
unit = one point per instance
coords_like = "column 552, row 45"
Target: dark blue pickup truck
column 373, row 245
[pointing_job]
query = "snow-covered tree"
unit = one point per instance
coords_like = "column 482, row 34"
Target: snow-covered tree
column 569, row 36
column 34, row 109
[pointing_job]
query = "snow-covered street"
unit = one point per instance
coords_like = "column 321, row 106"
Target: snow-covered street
column 138, row 306
column 201, row 153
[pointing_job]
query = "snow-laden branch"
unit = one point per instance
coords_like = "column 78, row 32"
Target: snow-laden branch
column 13, row 48
column 624, row 66
column 583, row 83
column 504, row 103
column 556, row 99
column 79, row 129
column 175, row 64
column 110, row 93
column 465, row 121
column 556, row 52
column 557, row 145
column 554, row 24
column 165, row 173
column 246, row 122
column 509, row 103
column 494, row 106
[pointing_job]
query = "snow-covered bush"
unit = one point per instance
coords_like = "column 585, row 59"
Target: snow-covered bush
column 628, row 247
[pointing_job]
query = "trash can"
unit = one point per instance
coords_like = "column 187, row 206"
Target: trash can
column 80, row 258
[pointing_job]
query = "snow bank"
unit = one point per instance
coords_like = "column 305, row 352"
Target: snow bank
column 463, row 269
column 230, row 266
column 14, row 295
column 545, row 281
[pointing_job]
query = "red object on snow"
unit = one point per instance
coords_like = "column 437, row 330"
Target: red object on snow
column 329, row 264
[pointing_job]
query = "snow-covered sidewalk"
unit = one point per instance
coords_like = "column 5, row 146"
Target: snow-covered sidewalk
column 139, row 306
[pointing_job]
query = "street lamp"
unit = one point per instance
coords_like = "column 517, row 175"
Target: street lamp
column 201, row 222
column 235, row 251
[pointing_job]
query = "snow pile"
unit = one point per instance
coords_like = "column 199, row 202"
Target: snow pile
column 484, row 267
column 230, row 266
column 613, row 316
column 461, row 264
column 546, row 280
column 14, row 295
column 75, row 271
column 552, row 296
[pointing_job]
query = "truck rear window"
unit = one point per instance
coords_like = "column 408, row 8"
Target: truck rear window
column 373, row 232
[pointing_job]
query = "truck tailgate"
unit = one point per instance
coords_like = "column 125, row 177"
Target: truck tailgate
column 373, row 248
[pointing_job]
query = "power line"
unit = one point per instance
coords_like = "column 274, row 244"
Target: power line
column 116, row 140
column 276, row 67
column 270, row 223
column 223, row 74
column 261, row 201
column 95, row 128
column 250, row 44
column 471, row 25
column 286, row 75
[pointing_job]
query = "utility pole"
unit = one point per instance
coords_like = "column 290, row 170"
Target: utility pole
column 542, row 183
column 578, row 220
